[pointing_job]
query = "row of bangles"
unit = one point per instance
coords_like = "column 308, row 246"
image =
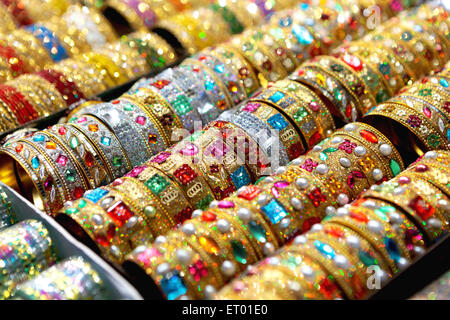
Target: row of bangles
column 269, row 201
column 48, row 66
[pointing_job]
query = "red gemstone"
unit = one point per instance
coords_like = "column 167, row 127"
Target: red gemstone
column 19, row 148
column 115, row 102
column 100, row 239
column 48, row 183
column 183, row 215
column 77, row 193
column 404, row 180
column 327, row 288
column 314, row 138
column 422, row 208
column 185, row 174
column 421, row 168
column 89, row 159
column 120, row 213
column 353, row 62
column 369, row 136
column 314, row 106
column 198, row 270
column 62, row 130
column 359, row 216
column 160, row 84
column 348, row 111
column 309, row 223
column 249, row 193
column 334, row 231
column 208, row 216
column 427, row 112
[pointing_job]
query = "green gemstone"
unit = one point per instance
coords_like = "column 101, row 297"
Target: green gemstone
column 73, row 142
column 204, row 203
column 117, row 161
column 195, row 135
column 395, row 167
column 329, row 150
column 82, row 204
column 257, row 231
column 239, row 252
column 70, row 175
column 156, row 184
column 337, row 94
column 128, row 107
column 71, row 211
column 323, row 156
column 182, row 105
column 365, row 258
column 300, row 114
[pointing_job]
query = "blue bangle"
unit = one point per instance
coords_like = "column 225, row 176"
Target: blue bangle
column 49, row 41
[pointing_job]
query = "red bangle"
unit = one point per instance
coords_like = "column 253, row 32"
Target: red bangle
column 17, row 67
column 17, row 10
column 67, row 88
column 19, row 105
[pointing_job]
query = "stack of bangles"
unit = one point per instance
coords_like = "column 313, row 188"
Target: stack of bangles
column 103, row 141
column 359, row 247
column 31, row 269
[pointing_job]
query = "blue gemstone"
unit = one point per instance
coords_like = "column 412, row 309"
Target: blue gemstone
column 274, row 211
column 277, row 122
column 325, row 249
column 285, row 22
column 448, row 134
column 39, row 138
column 96, row 194
column 444, row 82
column 35, row 162
column 240, row 177
column 392, row 249
column 209, row 85
column 277, row 96
column 173, row 286
column 219, row 68
column 302, row 34
column 106, row 141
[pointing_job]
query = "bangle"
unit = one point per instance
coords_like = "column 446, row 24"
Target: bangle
column 26, row 250
column 66, row 88
column 105, row 66
column 7, row 214
column 49, row 41
column 105, row 142
column 22, row 109
column 240, row 66
column 71, row 279
column 37, row 173
column 138, row 20
column 234, row 25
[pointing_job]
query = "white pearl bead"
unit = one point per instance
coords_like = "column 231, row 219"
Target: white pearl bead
column 244, row 214
column 330, row 210
column 163, row 268
column 284, row 223
column 139, row 249
column 132, row 222
column 160, row 240
column 395, row 218
column 345, row 162
column 322, row 168
column 274, row 261
column 317, row 227
column 399, row 191
column 223, row 225
column 385, row 149
column 267, row 180
column 341, row 261
column 115, row 251
column 444, row 204
column 297, row 161
column 336, row 140
column 419, row 251
column 188, row 229
column 262, row 199
column 340, row 212
column 97, row 219
column 360, row 151
column 280, row 170
column 342, row 199
column 268, row 249
column 300, row 240
column 430, row 155
column 210, row 291
column 307, row 271
column 353, row 242
column 317, row 148
column 183, row 256
column 369, row 204
column 197, row 213
column 302, row 183
column 374, row 226
column 213, row 204
column 297, row 204
column 402, row 263
column 228, row 268
column 349, row 127
column 434, row 223
column 377, row 174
